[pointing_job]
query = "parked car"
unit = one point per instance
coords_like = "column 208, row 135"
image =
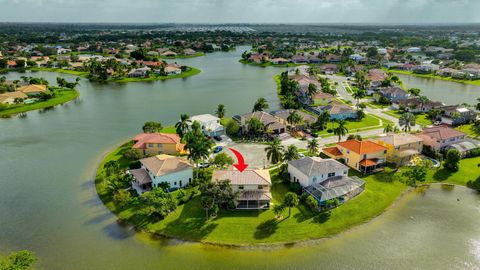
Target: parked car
column 217, row 149
column 217, row 138
column 301, row 155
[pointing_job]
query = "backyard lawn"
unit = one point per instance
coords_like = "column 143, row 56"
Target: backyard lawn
column 421, row 118
column 470, row 129
column 367, row 123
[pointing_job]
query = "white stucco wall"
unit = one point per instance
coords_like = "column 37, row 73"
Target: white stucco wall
column 305, row 181
column 174, row 178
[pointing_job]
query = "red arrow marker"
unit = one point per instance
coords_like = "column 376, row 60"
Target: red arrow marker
column 241, row 166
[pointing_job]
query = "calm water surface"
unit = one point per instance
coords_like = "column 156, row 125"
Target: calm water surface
column 450, row 93
column 48, row 202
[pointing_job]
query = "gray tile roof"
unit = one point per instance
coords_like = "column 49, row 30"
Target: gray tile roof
column 313, row 166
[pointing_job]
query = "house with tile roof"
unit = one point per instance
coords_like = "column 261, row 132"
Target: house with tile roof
column 363, row 156
column 324, row 179
column 210, row 124
column 176, row 171
column 158, row 143
column 253, row 187
column 307, row 119
column 33, row 89
column 12, row 97
column 269, row 121
column 440, row 137
column 337, row 110
column 402, row 147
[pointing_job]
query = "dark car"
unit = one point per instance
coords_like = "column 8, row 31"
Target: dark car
column 217, row 138
column 217, row 149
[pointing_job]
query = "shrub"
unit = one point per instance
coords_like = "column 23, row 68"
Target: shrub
column 452, row 160
column 312, row 203
column 296, row 188
column 133, row 154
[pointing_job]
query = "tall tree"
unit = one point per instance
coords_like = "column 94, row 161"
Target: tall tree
column 255, row 127
column 274, row 151
column 183, row 126
column 152, row 127
column 290, row 200
column 313, row 147
column 294, row 118
column 220, row 111
column 291, row 153
column 341, row 130
column 322, row 120
column 452, row 160
column 260, row 105
column 358, row 94
column 407, row 121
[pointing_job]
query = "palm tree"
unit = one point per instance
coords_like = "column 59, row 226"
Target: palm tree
column 291, row 153
column 422, row 100
column 407, row 121
column 388, row 128
column 322, row 120
column 313, row 147
column 358, row 94
column 255, row 127
column 220, row 111
column 183, row 126
column 290, row 200
column 312, row 90
column 199, row 147
column 340, row 130
column 274, row 151
column 294, row 118
column 260, row 105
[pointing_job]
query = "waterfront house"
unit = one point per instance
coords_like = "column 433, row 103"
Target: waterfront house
column 376, row 77
column 168, row 54
column 189, row 52
column 158, row 143
column 456, row 115
column 176, row 171
column 282, row 116
column 337, row 110
column 322, row 98
column 139, row 72
column 415, row 105
column 324, row 179
column 440, row 137
column 12, row 97
column 171, row 70
column 269, row 121
column 363, row 156
column 402, row 147
column 210, row 124
column 279, row 61
column 394, row 94
column 33, row 89
column 253, row 187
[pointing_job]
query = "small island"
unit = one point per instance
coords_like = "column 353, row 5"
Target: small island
column 31, row 93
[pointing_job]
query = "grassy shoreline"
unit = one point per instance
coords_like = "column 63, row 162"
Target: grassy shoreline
column 61, row 97
column 190, row 72
column 260, row 228
column 269, row 64
column 198, row 54
column 432, row 76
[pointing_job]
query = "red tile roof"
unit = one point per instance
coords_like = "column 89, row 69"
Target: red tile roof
column 368, row 162
column 442, row 132
column 333, row 151
column 162, row 138
column 362, row 147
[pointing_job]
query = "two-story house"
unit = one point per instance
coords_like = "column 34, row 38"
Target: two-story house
column 270, row 122
column 158, row 143
column 210, row 124
column 253, row 187
column 324, row 179
column 401, row 147
column 440, row 137
column 363, row 156
column 394, row 94
column 175, row 171
column 456, row 115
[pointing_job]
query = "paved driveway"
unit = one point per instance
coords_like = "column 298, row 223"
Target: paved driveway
column 254, row 154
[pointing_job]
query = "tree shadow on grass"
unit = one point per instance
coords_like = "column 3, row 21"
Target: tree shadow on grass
column 442, row 175
column 322, row 217
column 266, row 228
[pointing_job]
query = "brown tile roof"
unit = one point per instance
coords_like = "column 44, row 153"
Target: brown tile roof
column 247, row 177
column 400, row 139
column 368, row 162
column 141, row 176
column 362, row 147
column 161, row 138
column 33, row 88
column 442, row 132
column 333, row 151
column 165, row 164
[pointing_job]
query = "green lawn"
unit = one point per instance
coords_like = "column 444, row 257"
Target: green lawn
column 367, row 123
column 61, row 96
column 421, row 118
column 431, row 76
column 376, row 105
column 269, row 64
column 60, row 70
column 261, row 227
column 169, row 129
column 470, row 130
column 469, row 170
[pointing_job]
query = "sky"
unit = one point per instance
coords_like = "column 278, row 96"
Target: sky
column 242, row 11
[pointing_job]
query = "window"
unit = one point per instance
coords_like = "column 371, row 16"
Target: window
column 180, row 183
column 150, row 145
column 314, row 179
column 174, row 183
column 260, row 187
column 384, row 151
column 189, row 180
column 331, row 174
column 240, row 187
column 365, row 156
